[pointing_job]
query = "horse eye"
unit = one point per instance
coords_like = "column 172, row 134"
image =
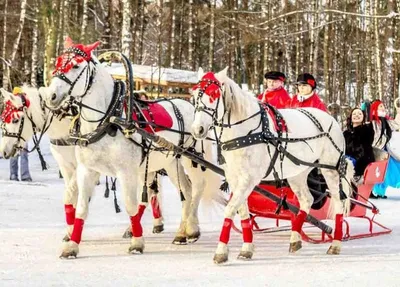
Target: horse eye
column 75, row 67
column 14, row 121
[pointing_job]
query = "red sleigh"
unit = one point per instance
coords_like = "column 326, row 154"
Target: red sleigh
column 262, row 207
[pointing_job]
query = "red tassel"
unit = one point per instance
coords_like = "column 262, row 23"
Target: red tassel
column 338, row 227
column 155, row 207
column 77, row 232
column 298, row 221
column 69, row 213
column 137, row 230
column 247, row 232
column 226, row 231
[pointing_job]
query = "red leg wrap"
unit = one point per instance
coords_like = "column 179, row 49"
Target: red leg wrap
column 155, row 207
column 226, row 231
column 338, row 227
column 299, row 220
column 137, row 230
column 77, row 232
column 247, row 232
column 69, row 213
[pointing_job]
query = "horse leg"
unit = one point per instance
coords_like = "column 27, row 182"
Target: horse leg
column 197, row 179
column 86, row 180
column 247, row 250
column 154, row 190
column 70, row 200
column 298, row 184
column 180, row 180
column 129, row 186
column 337, row 208
column 241, row 188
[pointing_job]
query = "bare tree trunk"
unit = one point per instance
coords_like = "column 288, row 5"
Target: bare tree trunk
column 377, row 52
column 62, row 18
column 126, row 27
column 35, row 35
column 106, row 38
column 159, row 42
column 211, row 46
column 265, row 16
column 50, row 22
column 190, row 36
column 142, row 29
column 7, row 80
column 172, row 36
column 84, row 20
column 6, row 70
column 368, row 46
column 326, row 57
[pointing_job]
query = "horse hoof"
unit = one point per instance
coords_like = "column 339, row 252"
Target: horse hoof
column 295, row 246
column 66, row 238
column 220, row 258
column 127, row 234
column 70, row 250
column 136, row 249
column 245, row 255
column 179, row 240
column 194, row 237
column 333, row 250
column 158, row 228
column 68, row 254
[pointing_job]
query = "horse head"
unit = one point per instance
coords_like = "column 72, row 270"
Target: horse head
column 73, row 75
column 209, row 108
column 16, row 130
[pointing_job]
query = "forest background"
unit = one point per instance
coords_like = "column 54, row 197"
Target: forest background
column 350, row 46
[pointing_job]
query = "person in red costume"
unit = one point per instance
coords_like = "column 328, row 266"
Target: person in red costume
column 275, row 94
column 306, row 96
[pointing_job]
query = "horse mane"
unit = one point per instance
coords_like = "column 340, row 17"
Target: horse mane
column 237, row 101
column 35, row 108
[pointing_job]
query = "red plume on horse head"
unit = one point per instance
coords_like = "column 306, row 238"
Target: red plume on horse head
column 74, row 54
column 69, row 45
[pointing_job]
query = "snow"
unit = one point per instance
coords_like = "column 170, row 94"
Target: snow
column 154, row 73
column 32, row 226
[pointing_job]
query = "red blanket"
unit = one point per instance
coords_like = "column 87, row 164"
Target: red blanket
column 157, row 115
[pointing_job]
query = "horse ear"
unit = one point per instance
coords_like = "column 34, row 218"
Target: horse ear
column 200, row 73
column 224, row 72
column 16, row 101
column 6, row 95
column 89, row 48
column 68, row 42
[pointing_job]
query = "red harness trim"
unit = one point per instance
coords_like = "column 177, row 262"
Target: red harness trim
column 283, row 127
column 156, row 114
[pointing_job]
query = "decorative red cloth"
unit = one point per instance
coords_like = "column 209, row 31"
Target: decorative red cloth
column 312, row 102
column 155, row 114
column 213, row 90
column 11, row 111
column 278, row 98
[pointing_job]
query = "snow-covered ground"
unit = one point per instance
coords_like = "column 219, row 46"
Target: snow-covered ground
column 32, row 226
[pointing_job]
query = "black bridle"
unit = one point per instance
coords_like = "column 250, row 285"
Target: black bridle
column 18, row 135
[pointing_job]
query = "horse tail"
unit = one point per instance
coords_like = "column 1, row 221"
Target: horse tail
column 343, row 206
column 213, row 180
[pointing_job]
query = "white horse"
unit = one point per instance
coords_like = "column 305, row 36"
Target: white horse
column 27, row 111
column 91, row 87
column 239, row 120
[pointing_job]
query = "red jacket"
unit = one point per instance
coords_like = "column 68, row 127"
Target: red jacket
column 278, row 98
column 312, row 102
